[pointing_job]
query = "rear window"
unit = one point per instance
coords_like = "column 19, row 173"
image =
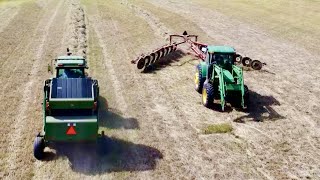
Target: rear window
column 71, row 73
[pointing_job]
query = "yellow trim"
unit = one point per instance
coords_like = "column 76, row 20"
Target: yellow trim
column 196, row 78
column 204, row 96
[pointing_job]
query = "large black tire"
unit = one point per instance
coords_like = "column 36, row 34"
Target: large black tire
column 207, row 95
column 38, row 148
column 198, row 79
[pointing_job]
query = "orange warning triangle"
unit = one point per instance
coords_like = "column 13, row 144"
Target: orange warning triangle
column 71, row 131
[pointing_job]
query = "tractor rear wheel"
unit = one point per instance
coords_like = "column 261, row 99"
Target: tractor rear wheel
column 198, row 79
column 207, row 94
column 38, row 148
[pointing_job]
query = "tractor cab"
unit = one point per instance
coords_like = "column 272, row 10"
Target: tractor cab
column 221, row 55
column 70, row 67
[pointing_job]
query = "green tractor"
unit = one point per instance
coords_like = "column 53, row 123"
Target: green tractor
column 218, row 78
column 70, row 106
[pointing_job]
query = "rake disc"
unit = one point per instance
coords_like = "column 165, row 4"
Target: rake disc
column 148, row 61
column 174, row 48
column 256, row 65
column 238, row 58
column 153, row 57
column 161, row 52
column 157, row 55
column 169, row 49
column 165, row 51
column 246, row 61
column 141, row 63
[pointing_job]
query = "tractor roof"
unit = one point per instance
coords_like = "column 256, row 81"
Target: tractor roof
column 221, row 49
column 70, row 58
column 70, row 61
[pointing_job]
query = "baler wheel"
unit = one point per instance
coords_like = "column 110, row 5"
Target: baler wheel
column 256, row 65
column 38, row 148
column 207, row 95
column 198, row 79
column 246, row 61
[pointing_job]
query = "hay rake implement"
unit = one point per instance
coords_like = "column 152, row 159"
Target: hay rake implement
column 146, row 60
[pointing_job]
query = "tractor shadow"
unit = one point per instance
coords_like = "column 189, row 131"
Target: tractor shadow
column 216, row 106
column 166, row 61
column 112, row 119
column 260, row 109
column 120, row 156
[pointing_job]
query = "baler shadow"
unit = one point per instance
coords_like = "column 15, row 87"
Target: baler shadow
column 165, row 61
column 112, row 119
column 121, row 156
column 260, row 108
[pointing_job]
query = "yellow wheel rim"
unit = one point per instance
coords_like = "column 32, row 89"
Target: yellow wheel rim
column 204, row 96
column 196, row 78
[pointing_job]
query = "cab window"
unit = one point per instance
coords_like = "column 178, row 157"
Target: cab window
column 222, row 59
column 70, row 73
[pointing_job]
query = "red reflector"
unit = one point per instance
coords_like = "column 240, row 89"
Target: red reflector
column 60, row 65
column 71, row 131
column 47, row 106
column 95, row 105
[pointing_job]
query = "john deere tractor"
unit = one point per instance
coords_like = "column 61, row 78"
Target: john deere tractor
column 70, row 105
column 218, row 78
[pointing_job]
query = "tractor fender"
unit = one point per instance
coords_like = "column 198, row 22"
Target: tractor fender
column 204, row 68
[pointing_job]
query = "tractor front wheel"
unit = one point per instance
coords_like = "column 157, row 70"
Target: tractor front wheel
column 207, row 95
column 38, row 148
column 198, row 79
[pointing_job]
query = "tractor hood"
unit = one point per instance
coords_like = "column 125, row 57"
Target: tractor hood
column 227, row 76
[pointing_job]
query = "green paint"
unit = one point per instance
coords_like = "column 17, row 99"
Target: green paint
column 57, row 131
column 226, row 78
column 55, row 127
column 71, row 104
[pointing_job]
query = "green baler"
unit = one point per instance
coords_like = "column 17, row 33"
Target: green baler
column 70, row 105
column 217, row 78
